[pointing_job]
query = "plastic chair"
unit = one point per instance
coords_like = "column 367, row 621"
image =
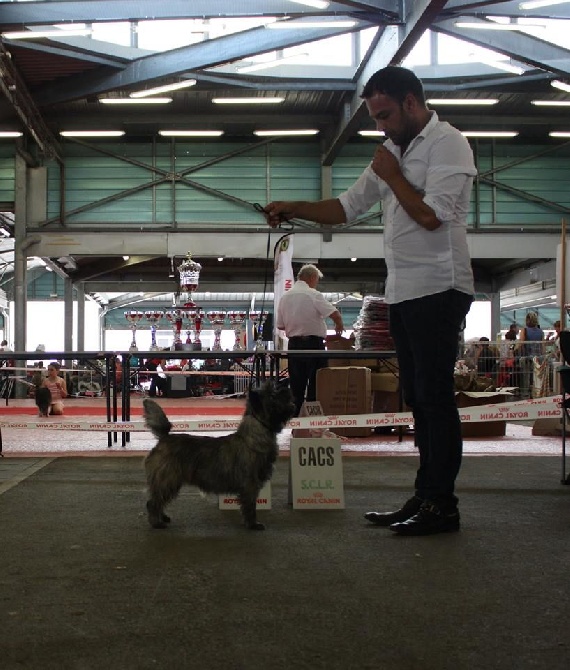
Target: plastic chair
column 564, row 371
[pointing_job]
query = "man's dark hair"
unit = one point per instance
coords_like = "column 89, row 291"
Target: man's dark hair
column 395, row 82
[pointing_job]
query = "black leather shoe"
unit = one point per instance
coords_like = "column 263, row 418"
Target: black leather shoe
column 411, row 507
column 429, row 520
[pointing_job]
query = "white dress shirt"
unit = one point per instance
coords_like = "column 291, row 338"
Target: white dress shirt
column 302, row 311
column 439, row 164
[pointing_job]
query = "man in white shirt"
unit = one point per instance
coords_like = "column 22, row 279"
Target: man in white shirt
column 423, row 174
column 301, row 313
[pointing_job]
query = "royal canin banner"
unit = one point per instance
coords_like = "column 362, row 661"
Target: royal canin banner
column 283, row 271
column 540, row 408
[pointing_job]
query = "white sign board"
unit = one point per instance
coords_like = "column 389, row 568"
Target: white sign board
column 316, row 473
column 229, row 501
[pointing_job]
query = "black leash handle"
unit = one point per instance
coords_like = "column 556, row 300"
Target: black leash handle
column 282, row 219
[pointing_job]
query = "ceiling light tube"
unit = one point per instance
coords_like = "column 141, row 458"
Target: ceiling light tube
column 317, row 4
column 295, row 25
column 10, row 133
column 92, row 133
column 491, row 25
column 559, row 133
column 560, row 85
column 550, row 103
column 537, row 4
column 190, row 133
column 135, row 101
column 489, row 133
column 276, row 133
column 247, row 101
column 37, row 34
column 163, row 89
column 462, row 101
column 372, row 133
column 295, row 59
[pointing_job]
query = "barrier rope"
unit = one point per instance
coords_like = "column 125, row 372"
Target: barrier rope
column 510, row 411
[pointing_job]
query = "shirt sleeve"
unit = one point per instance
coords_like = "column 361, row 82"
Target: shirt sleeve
column 451, row 167
column 366, row 191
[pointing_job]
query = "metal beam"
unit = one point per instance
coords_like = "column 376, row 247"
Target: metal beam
column 344, row 244
column 45, row 13
column 519, row 46
column 393, row 46
column 509, row 8
column 178, row 61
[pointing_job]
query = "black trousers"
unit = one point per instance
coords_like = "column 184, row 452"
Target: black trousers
column 303, row 369
column 426, row 335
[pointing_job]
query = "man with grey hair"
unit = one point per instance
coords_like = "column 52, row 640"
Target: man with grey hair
column 301, row 313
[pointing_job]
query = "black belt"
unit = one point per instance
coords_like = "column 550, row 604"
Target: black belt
column 301, row 338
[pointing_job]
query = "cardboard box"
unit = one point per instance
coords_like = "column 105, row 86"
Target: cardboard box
column 339, row 343
column 481, row 428
column 386, row 402
column 384, row 381
column 345, row 391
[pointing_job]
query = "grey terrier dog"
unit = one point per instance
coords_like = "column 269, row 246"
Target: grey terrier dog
column 239, row 463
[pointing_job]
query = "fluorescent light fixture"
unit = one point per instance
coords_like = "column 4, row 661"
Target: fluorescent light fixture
column 284, row 133
column 489, row 133
column 372, row 133
column 247, row 101
column 353, row 259
column 294, row 25
column 37, row 34
column 190, row 133
column 491, row 25
column 295, row 59
column 163, row 89
column 559, row 133
column 10, row 133
column 537, row 4
column 550, row 103
column 92, row 133
column 126, row 258
column 462, row 101
column 560, row 85
column 135, row 101
column 317, row 4
column 220, row 259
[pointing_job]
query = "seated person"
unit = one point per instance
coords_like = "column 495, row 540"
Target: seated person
column 57, row 388
column 487, row 358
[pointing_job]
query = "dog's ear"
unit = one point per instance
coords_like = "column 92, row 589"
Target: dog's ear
column 255, row 397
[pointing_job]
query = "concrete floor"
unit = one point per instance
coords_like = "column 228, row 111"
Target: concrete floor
column 86, row 584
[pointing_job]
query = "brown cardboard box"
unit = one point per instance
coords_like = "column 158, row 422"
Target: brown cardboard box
column 339, row 343
column 345, row 391
column 384, row 381
column 481, row 428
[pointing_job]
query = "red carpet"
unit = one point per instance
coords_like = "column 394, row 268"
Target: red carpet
column 172, row 408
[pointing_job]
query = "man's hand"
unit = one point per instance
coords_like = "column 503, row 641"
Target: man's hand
column 277, row 212
column 385, row 164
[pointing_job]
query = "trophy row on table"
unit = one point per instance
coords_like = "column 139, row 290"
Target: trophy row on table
column 191, row 320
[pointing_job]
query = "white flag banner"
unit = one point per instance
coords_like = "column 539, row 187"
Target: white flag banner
column 283, row 278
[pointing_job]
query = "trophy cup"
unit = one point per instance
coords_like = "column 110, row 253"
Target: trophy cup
column 189, row 272
column 217, row 319
column 199, row 316
column 133, row 317
column 190, row 315
column 175, row 318
column 237, row 321
column 153, row 318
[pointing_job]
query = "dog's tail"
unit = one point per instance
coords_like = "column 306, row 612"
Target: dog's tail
column 155, row 419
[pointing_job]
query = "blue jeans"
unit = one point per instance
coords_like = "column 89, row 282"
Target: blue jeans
column 426, row 336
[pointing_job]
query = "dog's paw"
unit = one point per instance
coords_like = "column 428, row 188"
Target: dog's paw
column 256, row 525
column 165, row 518
column 159, row 524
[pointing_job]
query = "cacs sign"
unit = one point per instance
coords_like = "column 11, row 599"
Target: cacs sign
column 316, row 474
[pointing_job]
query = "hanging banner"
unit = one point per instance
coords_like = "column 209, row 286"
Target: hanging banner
column 283, row 273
